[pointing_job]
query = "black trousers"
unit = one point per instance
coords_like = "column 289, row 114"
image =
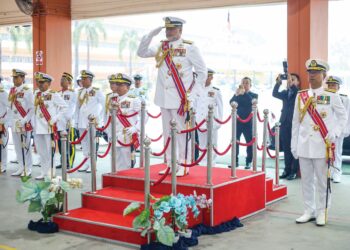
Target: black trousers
column 291, row 165
column 70, row 148
column 247, row 131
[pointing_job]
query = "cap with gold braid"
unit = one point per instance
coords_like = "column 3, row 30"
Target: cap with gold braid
column 316, row 65
column 86, row 73
column 210, row 72
column 18, row 72
column 119, row 78
column 334, row 79
column 171, row 22
column 42, row 77
column 68, row 76
column 137, row 77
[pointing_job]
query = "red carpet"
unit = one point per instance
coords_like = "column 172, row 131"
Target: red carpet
column 101, row 212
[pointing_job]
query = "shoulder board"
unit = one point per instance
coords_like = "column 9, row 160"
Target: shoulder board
column 330, row 90
column 303, row 90
column 1, row 90
column 52, row 91
column 187, row 42
column 71, row 90
column 109, row 94
column 95, row 88
column 343, row 95
column 216, row 88
column 80, row 89
column 25, row 88
column 132, row 96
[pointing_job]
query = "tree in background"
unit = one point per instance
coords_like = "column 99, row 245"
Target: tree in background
column 129, row 40
column 91, row 30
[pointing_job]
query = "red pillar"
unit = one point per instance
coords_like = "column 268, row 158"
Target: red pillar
column 52, row 53
column 307, row 34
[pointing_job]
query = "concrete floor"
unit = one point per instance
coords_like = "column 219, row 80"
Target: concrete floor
column 273, row 229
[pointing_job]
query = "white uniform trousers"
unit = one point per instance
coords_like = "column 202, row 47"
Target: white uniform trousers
column 85, row 144
column 314, row 184
column 43, row 147
column 203, row 138
column 123, row 158
column 167, row 116
column 4, row 138
column 337, row 171
column 27, row 151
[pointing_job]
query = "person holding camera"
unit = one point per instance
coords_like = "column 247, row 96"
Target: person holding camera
column 244, row 97
column 288, row 98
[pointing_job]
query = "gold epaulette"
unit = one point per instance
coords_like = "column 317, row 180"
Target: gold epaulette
column 71, row 90
column 330, row 90
column 132, row 96
column 107, row 102
column 25, row 88
column 187, row 42
column 95, row 88
column 52, row 91
column 1, row 90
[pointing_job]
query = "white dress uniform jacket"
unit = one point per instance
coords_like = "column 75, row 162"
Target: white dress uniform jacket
column 70, row 97
column 4, row 120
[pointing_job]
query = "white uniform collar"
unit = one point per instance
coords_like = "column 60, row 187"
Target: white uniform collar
column 317, row 91
column 19, row 88
column 125, row 95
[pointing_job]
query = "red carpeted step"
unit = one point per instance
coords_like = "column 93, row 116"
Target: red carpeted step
column 113, row 199
column 107, row 225
column 274, row 192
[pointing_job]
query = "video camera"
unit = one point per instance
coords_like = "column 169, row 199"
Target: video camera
column 284, row 76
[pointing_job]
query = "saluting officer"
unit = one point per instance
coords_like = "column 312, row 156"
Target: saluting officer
column 176, row 60
column 333, row 83
column 139, row 90
column 90, row 103
column 319, row 119
column 127, row 128
column 209, row 96
column 66, row 123
column 4, row 123
column 21, row 111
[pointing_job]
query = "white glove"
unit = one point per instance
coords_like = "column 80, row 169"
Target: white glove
column 130, row 131
column 156, row 31
column 22, row 122
column 332, row 137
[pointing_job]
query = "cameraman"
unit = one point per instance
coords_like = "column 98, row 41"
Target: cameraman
column 244, row 97
column 288, row 98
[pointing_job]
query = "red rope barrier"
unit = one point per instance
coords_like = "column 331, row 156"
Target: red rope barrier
column 192, row 129
column 223, row 122
column 270, row 131
column 271, row 156
column 259, row 117
column 224, row 152
column 107, row 151
column 125, row 145
column 164, row 149
column 154, row 116
column 196, row 162
column 161, row 179
column 246, row 119
column 260, row 148
column 157, row 139
column 202, row 130
column 131, row 115
column 200, row 149
column 105, row 126
column 246, row 144
column 80, row 138
column 77, row 167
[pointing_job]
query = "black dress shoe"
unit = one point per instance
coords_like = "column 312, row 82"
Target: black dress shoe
column 229, row 166
column 291, row 177
column 248, row 165
column 284, row 175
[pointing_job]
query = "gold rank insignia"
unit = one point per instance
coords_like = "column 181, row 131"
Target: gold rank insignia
column 316, row 127
column 323, row 114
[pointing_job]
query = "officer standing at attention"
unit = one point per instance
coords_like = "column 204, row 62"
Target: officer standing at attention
column 244, row 97
column 21, row 111
column 319, row 119
column 90, row 103
column 333, row 83
column 209, row 96
column 127, row 128
column 176, row 60
column 139, row 90
column 49, row 108
column 66, row 123
column 4, row 123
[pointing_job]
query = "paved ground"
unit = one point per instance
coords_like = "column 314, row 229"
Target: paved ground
column 273, row 229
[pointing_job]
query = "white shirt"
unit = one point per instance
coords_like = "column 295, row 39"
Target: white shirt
column 90, row 101
column 307, row 141
column 187, row 61
column 70, row 98
column 56, row 107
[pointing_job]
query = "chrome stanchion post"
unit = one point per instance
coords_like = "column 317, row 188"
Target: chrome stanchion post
column 255, row 134
column 264, row 145
column 114, row 137
column 63, row 135
column 234, row 146
column 173, row 156
column 142, row 132
column 277, row 148
column 210, row 144
column 147, row 143
column 92, row 130
column 193, row 135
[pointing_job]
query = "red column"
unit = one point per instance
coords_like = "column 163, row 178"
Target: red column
column 307, row 34
column 52, row 53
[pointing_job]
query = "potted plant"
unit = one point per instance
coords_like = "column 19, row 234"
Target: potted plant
column 45, row 197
